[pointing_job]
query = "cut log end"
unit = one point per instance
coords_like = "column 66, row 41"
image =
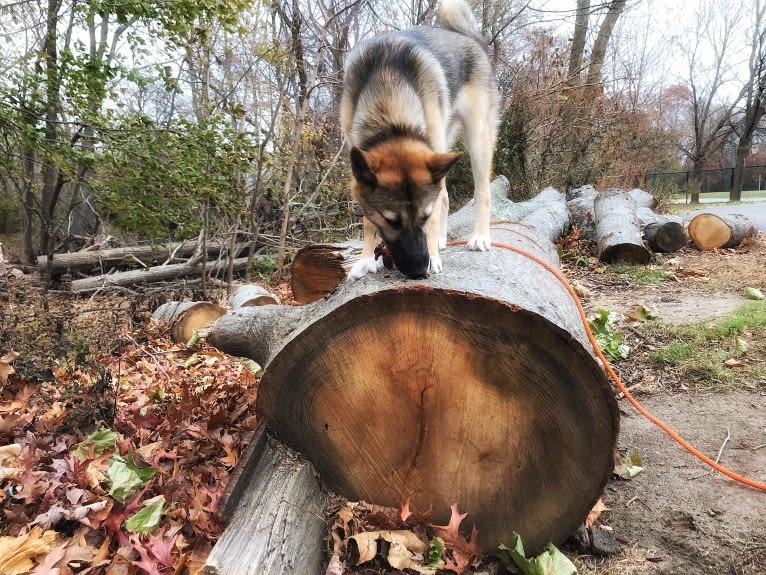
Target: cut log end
column 184, row 318
column 666, row 237
column 472, row 401
column 712, row 231
column 631, row 253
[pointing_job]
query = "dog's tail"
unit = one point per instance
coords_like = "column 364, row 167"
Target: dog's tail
column 456, row 15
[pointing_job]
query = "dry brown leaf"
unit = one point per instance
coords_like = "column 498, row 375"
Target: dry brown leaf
column 335, row 567
column 17, row 553
column 402, row 544
column 6, row 368
column 595, row 513
column 10, row 460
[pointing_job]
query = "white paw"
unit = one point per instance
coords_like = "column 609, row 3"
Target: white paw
column 435, row 265
column 479, row 243
column 365, row 266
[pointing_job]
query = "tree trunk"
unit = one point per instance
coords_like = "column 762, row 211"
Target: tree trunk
column 476, row 386
column 618, row 232
column 151, row 275
column 711, row 231
column 580, row 209
column 125, row 256
column 663, row 233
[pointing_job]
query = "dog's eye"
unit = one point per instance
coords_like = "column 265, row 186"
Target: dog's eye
column 393, row 222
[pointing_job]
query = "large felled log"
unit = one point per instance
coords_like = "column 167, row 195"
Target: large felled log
column 88, row 260
column 247, row 295
column 711, row 231
column 318, row 268
column 154, row 274
column 618, row 231
column 475, row 386
column 663, row 233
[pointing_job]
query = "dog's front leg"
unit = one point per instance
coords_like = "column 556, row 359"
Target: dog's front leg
column 367, row 263
column 436, row 231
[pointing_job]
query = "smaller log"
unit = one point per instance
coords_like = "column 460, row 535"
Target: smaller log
column 663, row 233
column 151, row 275
column 184, row 318
column 88, row 260
column 278, row 524
column 318, row 268
column 248, row 295
column 643, row 199
column 618, row 232
column 580, row 208
column 711, row 231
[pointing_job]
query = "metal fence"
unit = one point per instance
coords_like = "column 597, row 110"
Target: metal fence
column 711, row 181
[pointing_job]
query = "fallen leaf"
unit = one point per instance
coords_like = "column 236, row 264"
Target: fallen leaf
column 5, row 365
column 147, row 519
column 642, row 313
column 753, row 293
column 733, row 363
column 463, row 551
column 741, row 345
column 335, row 567
column 550, row 562
column 629, row 466
column 403, row 544
column 17, row 553
column 595, row 513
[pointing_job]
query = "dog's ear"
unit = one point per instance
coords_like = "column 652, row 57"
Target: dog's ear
column 363, row 166
column 440, row 164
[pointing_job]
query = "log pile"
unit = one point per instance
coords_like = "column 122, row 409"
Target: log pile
column 712, row 231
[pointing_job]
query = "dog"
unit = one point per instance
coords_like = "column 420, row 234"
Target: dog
column 406, row 97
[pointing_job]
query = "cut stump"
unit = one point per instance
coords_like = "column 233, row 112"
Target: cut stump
column 711, row 231
column 663, row 233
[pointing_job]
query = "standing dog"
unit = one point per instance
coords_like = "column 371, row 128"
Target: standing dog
column 406, row 97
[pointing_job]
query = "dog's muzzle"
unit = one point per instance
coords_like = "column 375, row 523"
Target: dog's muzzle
column 410, row 255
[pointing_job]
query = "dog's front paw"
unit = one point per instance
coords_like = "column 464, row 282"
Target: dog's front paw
column 435, row 265
column 479, row 243
column 365, row 266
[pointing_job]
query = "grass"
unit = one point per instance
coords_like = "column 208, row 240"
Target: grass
column 712, row 198
column 638, row 275
column 698, row 352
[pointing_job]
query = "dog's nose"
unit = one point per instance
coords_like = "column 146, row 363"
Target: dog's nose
column 413, row 267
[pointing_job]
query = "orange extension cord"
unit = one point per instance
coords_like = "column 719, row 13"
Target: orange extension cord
column 658, row 422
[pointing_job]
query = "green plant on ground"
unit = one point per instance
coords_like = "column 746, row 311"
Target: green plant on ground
column 611, row 342
column 639, row 275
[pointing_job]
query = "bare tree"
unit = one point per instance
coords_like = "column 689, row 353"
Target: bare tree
column 753, row 96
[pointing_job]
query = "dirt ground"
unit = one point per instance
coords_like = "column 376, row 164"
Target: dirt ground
column 677, row 516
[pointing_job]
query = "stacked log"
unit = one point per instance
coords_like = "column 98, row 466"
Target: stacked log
column 618, row 231
column 663, row 233
column 712, row 231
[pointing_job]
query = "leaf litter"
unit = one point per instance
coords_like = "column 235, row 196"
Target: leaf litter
column 139, row 485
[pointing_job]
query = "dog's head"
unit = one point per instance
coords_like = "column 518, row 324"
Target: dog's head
column 397, row 185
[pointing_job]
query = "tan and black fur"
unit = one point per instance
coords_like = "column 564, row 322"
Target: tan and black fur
column 406, row 97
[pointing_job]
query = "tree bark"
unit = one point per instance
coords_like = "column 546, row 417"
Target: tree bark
column 248, row 295
column 618, row 232
column 711, row 231
column 476, row 386
column 277, row 525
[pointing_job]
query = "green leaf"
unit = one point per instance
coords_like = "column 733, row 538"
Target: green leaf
column 643, row 313
column 100, row 440
column 610, row 341
column 741, row 345
column 126, row 478
column 147, row 519
column 253, row 367
column 753, row 293
column 550, row 562
column 435, row 552
column 629, row 466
